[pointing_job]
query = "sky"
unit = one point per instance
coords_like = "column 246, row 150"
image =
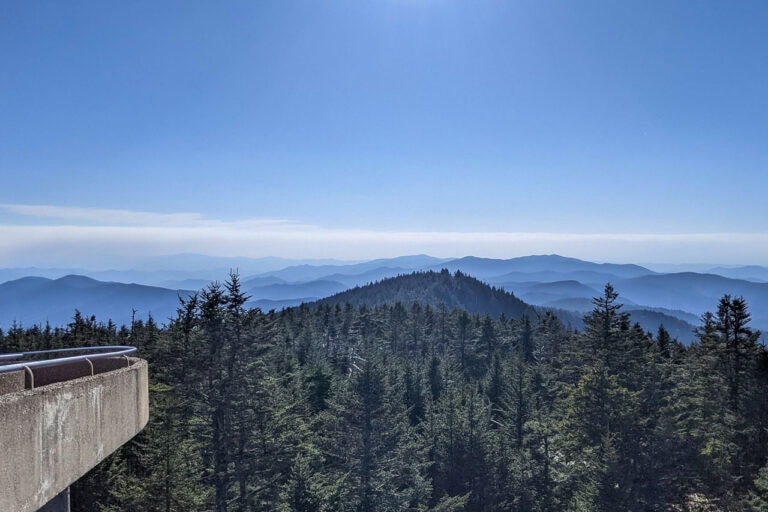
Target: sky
column 612, row 131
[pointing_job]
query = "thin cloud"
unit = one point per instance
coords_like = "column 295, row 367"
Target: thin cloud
column 100, row 216
column 110, row 217
column 113, row 237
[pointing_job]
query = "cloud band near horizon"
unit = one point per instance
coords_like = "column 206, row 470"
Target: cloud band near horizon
column 45, row 235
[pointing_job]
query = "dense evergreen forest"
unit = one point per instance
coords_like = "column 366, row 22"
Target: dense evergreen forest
column 453, row 291
column 418, row 407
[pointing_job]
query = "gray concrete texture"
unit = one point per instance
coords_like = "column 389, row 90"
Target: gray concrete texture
column 11, row 382
column 52, row 435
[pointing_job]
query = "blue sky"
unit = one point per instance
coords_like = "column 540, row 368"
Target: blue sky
column 624, row 131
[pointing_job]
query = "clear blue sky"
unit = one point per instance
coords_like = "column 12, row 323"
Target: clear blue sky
column 589, row 118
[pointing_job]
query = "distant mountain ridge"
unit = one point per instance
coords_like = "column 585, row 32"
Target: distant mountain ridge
column 545, row 280
column 748, row 273
column 402, row 264
column 696, row 293
column 487, row 267
column 37, row 300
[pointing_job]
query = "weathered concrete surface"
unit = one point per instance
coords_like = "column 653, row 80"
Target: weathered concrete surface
column 51, row 436
column 11, row 382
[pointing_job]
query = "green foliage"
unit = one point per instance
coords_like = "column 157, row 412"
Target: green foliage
column 758, row 500
column 411, row 405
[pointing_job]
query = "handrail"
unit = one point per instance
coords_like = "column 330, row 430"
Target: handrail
column 102, row 353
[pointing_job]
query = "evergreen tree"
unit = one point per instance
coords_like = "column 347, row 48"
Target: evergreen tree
column 403, row 407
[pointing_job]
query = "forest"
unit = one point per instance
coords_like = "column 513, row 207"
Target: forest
column 417, row 406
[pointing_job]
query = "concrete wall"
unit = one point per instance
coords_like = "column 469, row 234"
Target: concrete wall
column 11, row 382
column 50, row 436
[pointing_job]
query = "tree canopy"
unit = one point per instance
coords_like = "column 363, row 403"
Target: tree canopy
column 410, row 406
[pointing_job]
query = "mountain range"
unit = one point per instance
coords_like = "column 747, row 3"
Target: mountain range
column 676, row 299
column 39, row 300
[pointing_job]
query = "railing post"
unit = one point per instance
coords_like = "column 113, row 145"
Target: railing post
column 31, row 377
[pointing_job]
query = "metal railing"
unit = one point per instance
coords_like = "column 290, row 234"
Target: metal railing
column 11, row 363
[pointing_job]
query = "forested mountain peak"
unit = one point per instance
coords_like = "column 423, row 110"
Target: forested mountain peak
column 452, row 290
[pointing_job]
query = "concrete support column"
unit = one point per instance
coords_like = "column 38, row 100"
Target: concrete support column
column 58, row 504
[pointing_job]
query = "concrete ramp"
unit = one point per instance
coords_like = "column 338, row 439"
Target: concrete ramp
column 52, row 434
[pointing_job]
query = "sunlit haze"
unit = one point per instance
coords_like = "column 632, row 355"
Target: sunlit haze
column 609, row 131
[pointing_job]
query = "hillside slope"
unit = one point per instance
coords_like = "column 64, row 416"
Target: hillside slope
column 454, row 291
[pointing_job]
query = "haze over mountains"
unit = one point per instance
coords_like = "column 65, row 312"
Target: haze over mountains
column 39, row 300
column 34, row 296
